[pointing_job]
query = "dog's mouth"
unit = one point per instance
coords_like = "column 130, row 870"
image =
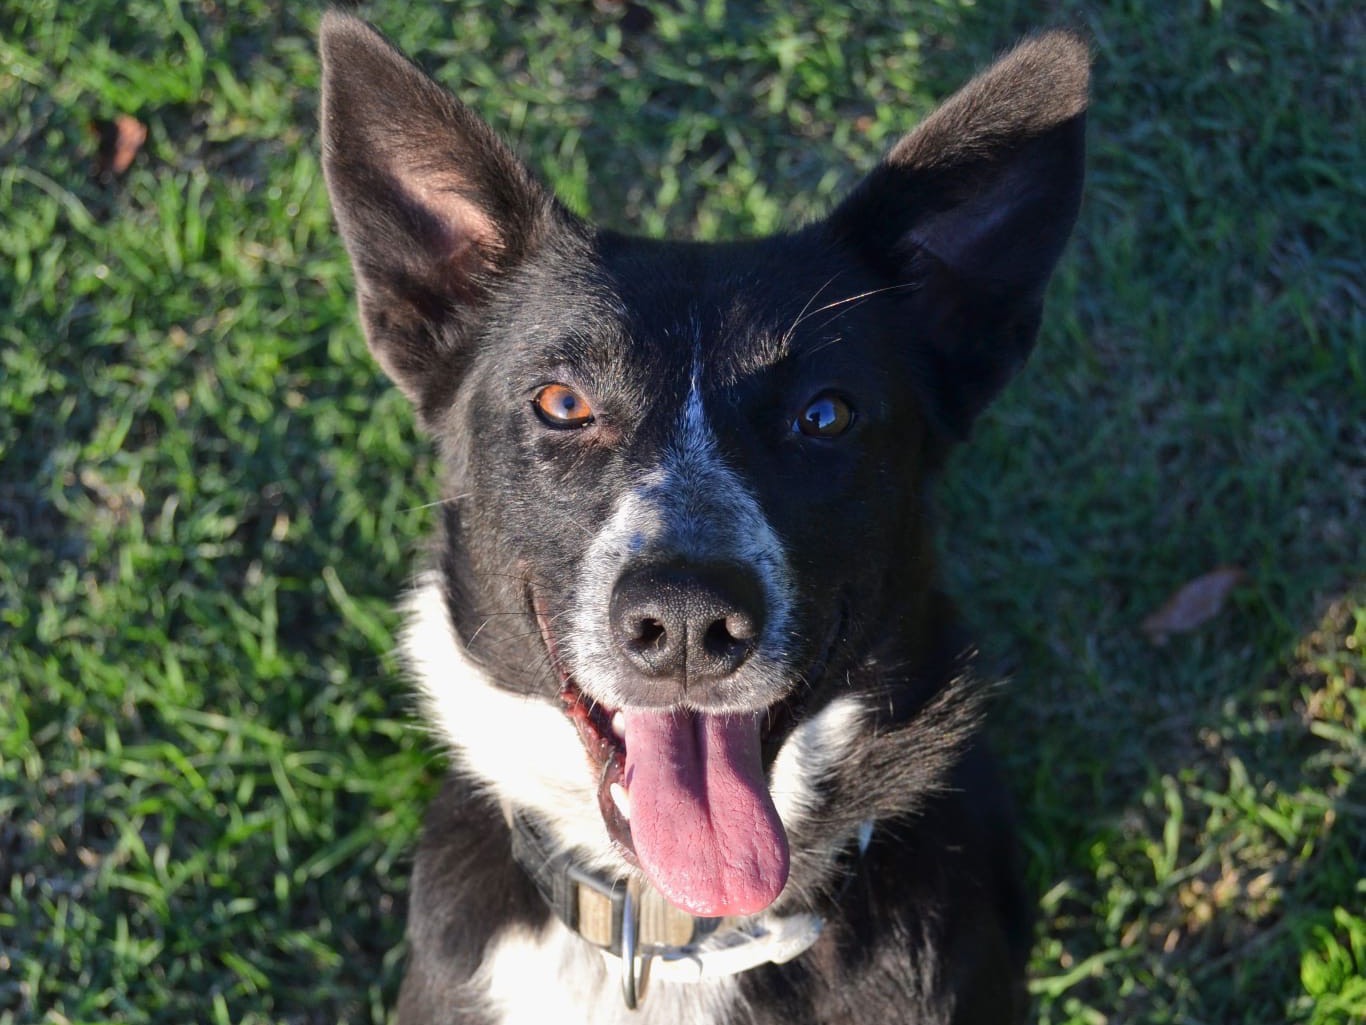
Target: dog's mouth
column 684, row 796
column 603, row 733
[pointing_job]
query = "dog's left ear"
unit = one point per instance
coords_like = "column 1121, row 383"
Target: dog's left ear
column 970, row 212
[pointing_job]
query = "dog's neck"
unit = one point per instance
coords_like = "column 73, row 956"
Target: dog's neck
column 642, row 933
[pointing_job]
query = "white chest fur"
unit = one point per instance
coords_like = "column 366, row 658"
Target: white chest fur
column 531, row 978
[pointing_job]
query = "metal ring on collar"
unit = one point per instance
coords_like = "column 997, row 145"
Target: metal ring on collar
column 630, row 921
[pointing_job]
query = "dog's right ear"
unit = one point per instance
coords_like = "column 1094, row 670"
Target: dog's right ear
column 432, row 206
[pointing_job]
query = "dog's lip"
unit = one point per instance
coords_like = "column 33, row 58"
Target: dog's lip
column 601, row 735
column 600, row 732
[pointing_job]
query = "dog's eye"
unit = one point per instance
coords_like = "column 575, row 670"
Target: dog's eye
column 561, row 406
column 826, row 416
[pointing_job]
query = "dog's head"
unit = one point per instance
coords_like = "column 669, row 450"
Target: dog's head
column 688, row 479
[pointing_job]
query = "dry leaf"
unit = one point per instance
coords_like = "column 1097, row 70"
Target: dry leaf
column 120, row 140
column 634, row 17
column 1195, row 604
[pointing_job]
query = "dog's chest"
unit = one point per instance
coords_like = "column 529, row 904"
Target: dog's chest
column 531, row 978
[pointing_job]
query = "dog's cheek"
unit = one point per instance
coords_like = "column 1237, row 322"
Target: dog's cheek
column 878, row 505
column 552, row 496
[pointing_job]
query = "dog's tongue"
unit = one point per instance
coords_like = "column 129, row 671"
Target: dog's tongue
column 702, row 822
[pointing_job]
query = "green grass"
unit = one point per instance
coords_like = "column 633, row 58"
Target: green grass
column 210, row 782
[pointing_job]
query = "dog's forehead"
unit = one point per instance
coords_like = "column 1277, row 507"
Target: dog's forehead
column 725, row 300
column 723, row 312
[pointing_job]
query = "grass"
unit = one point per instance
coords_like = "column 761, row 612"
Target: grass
column 209, row 779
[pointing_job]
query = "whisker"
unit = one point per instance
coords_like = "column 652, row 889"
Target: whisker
column 450, row 500
column 478, row 630
column 862, row 295
column 824, row 345
column 787, row 335
column 454, row 499
column 844, row 307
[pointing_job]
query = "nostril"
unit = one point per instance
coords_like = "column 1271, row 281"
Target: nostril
column 730, row 639
column 649, row 633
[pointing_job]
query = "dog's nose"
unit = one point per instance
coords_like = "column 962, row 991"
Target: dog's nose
column 694, row 624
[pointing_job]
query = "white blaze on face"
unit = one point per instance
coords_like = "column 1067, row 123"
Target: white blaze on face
column 692, row 507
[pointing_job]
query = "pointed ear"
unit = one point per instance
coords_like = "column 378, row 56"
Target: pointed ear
column 434, row 208
column 970, row 211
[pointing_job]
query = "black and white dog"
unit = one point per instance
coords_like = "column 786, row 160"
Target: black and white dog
column 711, row 721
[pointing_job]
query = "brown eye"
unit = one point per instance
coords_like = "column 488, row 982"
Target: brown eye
column 826, row 416
column 561, row 406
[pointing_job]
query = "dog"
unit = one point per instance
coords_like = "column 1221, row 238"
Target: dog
column 713, row 726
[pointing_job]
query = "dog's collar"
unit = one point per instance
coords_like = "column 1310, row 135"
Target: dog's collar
column 644, row 935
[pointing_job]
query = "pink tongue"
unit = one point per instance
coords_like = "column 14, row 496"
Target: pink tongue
column 702, row 822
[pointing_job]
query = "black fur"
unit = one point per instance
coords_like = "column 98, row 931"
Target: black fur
column 914, row 301
column 465, row 862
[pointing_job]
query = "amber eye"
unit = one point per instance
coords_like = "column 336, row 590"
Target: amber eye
column 826, row 416
column 561, row 406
